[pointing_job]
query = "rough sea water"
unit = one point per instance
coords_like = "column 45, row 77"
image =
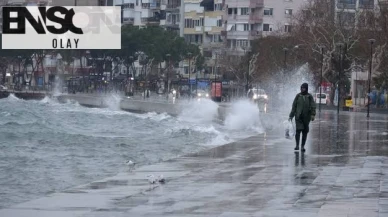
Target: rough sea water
column 47, row 147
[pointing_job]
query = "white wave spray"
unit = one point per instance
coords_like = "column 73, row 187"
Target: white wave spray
column 201, row 111
column 13, row 98
column 243, row 115
column 57, row 87
column 113, row 101
column 281, row 95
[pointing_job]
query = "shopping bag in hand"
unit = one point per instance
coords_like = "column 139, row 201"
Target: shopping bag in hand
column 289, row 129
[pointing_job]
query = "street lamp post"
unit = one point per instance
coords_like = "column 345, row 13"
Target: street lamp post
column 339, row 78
column 320, row 85
column 189, row 55
column 168, row 72
column 285, row 59
column 284, row 71
column 215, row 76
column 248, row 72
column 371, row 42
column 143, row 58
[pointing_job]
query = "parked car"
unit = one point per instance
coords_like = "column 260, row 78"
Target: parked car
column 323, row 97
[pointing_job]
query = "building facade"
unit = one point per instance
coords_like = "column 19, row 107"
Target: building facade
column 244, row 21
column 247, row 20
column 277, row 15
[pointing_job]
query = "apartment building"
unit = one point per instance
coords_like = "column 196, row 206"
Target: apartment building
column 347, row 11
column 140, row 12
column 277, row 15
column 164, row 13
column 248, row 20
column 171, row 15
column 77, row 2
column 244, row 23
column 203, row 23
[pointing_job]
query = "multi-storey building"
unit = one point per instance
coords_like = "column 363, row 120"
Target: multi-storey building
column 171, row 16
column 76, row 2
column 244, row 23
column 203, row 25
column 248, row 20
column 140, row 12
column 347, row 11
column 165, row 13
column 277, row 15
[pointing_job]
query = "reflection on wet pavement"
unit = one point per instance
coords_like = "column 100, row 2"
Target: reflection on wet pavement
column 343, row 173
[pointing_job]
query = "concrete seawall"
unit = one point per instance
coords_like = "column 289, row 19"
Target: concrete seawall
column 138, row 106
column 269, row 121
column 26, row 95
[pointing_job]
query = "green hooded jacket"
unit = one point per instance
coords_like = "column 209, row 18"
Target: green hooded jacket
column 303, row 108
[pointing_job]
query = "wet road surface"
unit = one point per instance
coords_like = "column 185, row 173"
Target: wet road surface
column 343, row 173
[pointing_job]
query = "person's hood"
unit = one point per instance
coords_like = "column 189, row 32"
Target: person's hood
column 306, row 86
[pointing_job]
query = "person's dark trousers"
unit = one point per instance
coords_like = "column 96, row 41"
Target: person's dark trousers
column 304, row 139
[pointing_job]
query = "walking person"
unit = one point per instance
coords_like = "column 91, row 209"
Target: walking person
column 304, row 110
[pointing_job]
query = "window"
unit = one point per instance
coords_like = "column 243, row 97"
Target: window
column 189, row 23
column 145, row 5
column 287, row 28
column 267, row 28
column 218, row 7
column 346, row 18
column 215, row 38
column 288, row 11
column 242, row 43
column 198, row 22
column 232, row 11
column 307, row 14
column 137, row 2
column 244, row 11
column 219, row 23
column 246, row 27
column 268, row 11
column 131, row 5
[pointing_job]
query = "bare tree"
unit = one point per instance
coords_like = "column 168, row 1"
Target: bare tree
column 319, row 25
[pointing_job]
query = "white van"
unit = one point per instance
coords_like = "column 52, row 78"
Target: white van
column 323, row 97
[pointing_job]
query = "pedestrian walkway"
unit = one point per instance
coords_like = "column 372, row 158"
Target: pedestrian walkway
column 343, row 173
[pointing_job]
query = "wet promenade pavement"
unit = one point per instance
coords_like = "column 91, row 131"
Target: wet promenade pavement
column 343, row 173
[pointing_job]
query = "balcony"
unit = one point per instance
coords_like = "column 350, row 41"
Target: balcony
column 253, row 18
column 171, row 5
column 155, row 5
column 346, row 6
column 366, row 6
column 151, row 20
column 172, row 24
column 128, row 21
column 243, row 34
column 245, row 3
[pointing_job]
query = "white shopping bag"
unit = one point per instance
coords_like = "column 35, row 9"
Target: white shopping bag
column 289, row 129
